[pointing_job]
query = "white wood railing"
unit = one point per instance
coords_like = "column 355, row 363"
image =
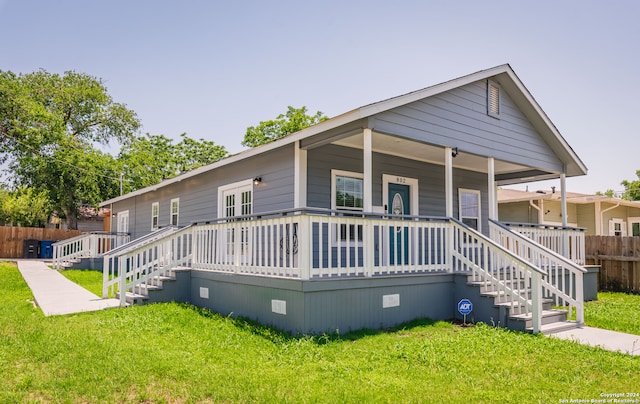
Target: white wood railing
column 323, row 244
column 336, row 245
column 563, row 278
column 516, row 282
column 136, row 267
column 88, row 245
column 566, row 241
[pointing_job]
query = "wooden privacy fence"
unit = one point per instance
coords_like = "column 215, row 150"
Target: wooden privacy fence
column 619, row 260
column 12, row 238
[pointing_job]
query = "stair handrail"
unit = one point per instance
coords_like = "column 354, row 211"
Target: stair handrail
column 147, row 238
column 543, row 253
column 64, row 250
column 495, row 260
column 155, row 257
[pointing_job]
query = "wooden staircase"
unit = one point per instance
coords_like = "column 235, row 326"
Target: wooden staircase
column 160, row 288
column 509, row 314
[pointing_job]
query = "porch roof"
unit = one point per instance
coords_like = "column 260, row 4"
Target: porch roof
column 514, row 195
column 347, row 127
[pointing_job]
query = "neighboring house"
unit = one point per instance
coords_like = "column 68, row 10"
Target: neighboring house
column 89, row 220
column 599, row 215
column 380, row 215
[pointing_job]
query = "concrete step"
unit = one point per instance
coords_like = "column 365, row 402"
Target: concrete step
column 133, row 298
column 525, row 322
column 489, row 287
column 560, row 326
column 158, row 280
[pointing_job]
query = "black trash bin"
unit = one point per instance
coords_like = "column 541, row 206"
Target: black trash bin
column 31, row 249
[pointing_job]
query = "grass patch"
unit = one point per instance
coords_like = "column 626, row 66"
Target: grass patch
column 180, row 353
column 614, row 311
column 90, row 280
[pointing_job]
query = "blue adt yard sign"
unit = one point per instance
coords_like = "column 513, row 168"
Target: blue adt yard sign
column 465, row 306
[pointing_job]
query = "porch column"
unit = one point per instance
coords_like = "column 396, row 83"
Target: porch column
column 367, row 170
column 300, row 177
column 367, row 190
column 448, row 181
column 563, row 198
column 492, row 191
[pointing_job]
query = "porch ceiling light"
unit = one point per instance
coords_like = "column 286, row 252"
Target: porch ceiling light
column 454, row 152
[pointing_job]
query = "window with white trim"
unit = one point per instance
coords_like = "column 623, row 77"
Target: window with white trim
column 617, row 227
column 469, row 204
column 494, row 102
column 347, row 193
column 155, row 214
column 175, row 209
column 634, row 225
column 347, row 190
column 236, row 199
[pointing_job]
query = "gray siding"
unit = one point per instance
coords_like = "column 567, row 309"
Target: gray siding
column 458, row 118
column 199, row 194
column 430, row 179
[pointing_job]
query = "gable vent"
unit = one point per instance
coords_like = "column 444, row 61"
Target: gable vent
column 493, row 99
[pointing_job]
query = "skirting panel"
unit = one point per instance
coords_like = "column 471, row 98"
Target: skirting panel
column 332, row 305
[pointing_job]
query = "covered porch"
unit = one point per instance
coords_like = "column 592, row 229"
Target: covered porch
column 320, row 245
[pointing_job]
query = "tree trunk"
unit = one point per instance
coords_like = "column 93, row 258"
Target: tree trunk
column 71, row 218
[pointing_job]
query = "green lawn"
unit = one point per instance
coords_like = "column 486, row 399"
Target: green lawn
column 614, row 311
column 178, row 353
column 90, row 280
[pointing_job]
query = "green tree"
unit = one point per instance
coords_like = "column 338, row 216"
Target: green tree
column 608, row 193
column 50, row 125
column 632, row 188
column 24, row 207
column 293, row 120
column 149, row 159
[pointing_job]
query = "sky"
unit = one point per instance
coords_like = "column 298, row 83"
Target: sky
column 213, row 68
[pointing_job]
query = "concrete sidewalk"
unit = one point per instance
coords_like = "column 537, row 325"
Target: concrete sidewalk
column 605, row 339
column 55, row 294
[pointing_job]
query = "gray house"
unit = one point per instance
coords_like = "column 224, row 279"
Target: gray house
column 380, row 215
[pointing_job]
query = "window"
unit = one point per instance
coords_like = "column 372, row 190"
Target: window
column 155, row 210
column 634, row 224
column 470, row 208
column 347, row 193
column 175, row 208
column 236, row 199
column 493, row 99
column 617, row 227
column 347, row 190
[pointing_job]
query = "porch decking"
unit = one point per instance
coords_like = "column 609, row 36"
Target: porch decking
column 518, row 275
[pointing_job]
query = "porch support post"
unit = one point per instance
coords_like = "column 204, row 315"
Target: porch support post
column 368, row 201
column 448, row 181
column 536, row 301
column 367, row 170
column 563, row 197
column 300, row 177
column 493, row 200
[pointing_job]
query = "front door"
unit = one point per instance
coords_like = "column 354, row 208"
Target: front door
column 237, row 200
column 122, row 226
column 123, row 222
column 399, row 203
